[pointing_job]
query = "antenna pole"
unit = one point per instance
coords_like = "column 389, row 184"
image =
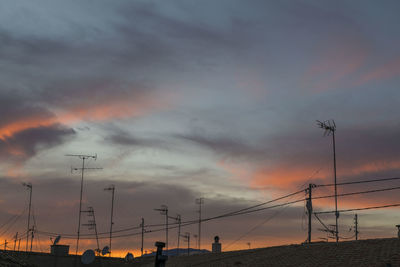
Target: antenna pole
column 80, row 206
column 199, row 201
column 112, row 189
column 95, row 230
column 356, row 225
column 164, row 211
column 15, row 241
column 29, row 186
column 32, row 235
column 179, row 230
column 330, row 127
column 166, row 229
column 93, row 226
column 188, row 238
column 142, row 225
column 309, row 209
column 334, row 169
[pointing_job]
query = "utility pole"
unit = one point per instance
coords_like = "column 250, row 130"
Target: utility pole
column 142, row 225
column 199, row 201
column 309, row 209
column 5, row 244
column 93, row 226
column 29, row 187
column 83, row 158
column 330, row 127
column 356, row 225
column 164, row 211
column 19, row 243
column 112, row 189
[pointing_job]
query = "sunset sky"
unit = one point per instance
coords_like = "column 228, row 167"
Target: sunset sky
column 184, row 99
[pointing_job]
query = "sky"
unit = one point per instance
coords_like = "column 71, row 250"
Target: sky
column 187, row 99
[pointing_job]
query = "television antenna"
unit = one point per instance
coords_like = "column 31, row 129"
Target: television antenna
column 83, row 158
column 88, row 257
column 330, row 128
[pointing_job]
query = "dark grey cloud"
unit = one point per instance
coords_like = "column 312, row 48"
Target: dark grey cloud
column 123, row 138
column 225, row 145
column 17, row 106
column 26, row 143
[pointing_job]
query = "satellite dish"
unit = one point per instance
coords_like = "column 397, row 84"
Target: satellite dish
column 57, row 240
column 105, row 250
column 129, row 257
column 88, row 257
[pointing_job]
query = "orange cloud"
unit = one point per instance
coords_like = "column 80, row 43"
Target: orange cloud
column 19, row 125
column 117, row 109
column 113, row 108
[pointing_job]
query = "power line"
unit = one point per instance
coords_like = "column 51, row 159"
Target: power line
column 360, row 192
column 258, row 225
column 229, row 214
column 360, row 182
column 366, row 208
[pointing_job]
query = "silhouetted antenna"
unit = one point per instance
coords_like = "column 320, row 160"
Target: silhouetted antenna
column 112, row 189
column 93, row 226
column 164, row 211
column 330, row 128
column 29, row 187
column 199, row 201
column 83, row 158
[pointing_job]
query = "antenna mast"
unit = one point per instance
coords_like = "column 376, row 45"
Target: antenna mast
column 93, row 226
column 199, row 201
column 29, row 187
column 330, row 127
column 142, row 225
column 112, row 189
column 83, row 158
column 164, row 211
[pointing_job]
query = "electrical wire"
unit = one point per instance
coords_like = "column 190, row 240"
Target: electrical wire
column 359, row 192
column 366, row 208
column 229, row 214
column 258, row 225
column 361, row 182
